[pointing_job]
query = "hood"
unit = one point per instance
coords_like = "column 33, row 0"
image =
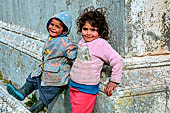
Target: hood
column 65, row 18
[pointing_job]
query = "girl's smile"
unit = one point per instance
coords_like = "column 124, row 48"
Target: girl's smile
column 89, row 32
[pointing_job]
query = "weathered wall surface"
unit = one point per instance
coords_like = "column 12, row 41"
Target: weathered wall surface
column 33, row 15
column 141, row 35
column 147, row 60
column 148, row 27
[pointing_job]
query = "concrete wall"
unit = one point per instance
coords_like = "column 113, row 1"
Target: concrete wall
column 34, row 14
column 148, row 27
column 141, row 33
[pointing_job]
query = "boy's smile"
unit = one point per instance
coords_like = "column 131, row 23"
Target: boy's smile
column 55, row 28
column 89, row 32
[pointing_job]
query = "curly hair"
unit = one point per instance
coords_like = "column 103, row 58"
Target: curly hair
column 96, row 18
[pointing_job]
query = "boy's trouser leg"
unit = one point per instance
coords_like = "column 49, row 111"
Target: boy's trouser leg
column 47, row 94
column 27, row 89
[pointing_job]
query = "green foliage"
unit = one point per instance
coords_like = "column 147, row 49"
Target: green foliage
column 5, row 80
column 31, row 100
column 1, row 76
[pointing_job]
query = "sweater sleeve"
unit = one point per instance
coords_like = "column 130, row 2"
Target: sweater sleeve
column 114, row 59
column 71, row 51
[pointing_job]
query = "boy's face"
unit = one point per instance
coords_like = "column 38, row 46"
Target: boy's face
column 55, row 28
column 89, row 32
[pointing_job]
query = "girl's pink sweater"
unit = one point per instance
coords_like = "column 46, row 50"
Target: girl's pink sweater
column 90, row 59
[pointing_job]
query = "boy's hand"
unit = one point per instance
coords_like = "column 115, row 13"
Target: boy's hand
column 69, row 61
column 109, row 87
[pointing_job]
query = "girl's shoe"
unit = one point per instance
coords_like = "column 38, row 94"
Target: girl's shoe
column 14, row 92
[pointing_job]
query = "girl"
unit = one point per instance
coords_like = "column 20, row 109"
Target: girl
column 93, row 51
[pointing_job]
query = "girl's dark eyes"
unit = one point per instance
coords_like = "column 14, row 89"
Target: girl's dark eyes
column 85, row 29
column 90, row 29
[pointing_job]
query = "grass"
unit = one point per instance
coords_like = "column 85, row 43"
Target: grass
column 1, row 76
column 5, row 80
column 31, row 100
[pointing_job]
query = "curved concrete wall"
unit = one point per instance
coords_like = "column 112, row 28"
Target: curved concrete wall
column 34, row 15
column 139, row 36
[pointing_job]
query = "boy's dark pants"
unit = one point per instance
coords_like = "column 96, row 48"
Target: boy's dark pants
column 47, row 93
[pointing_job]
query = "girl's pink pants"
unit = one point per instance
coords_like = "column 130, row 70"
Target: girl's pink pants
column 81, row 102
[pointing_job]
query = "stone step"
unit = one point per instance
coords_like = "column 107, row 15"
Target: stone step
column 9, row 104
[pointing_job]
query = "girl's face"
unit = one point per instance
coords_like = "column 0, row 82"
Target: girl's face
column 55, row 28
column 89, row 32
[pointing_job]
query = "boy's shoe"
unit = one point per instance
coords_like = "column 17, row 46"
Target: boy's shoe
column 37, row 107
column 14, row 92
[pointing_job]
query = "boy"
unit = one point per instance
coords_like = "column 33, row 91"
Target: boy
column 51, row 77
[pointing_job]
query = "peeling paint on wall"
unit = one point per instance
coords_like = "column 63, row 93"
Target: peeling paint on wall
column 149, row 23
